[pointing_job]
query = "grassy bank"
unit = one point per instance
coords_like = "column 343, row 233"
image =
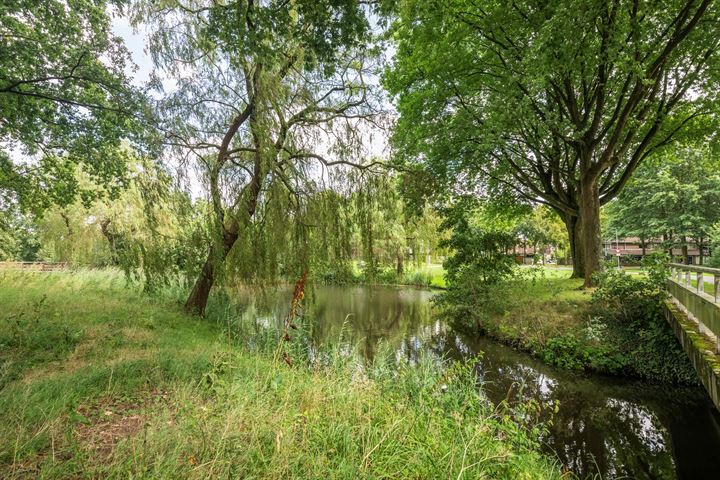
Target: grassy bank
column 534, row 312
column 619, row 331
column 425, row 275
column 97, row 380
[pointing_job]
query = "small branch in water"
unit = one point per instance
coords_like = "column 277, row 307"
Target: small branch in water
column 294, row 313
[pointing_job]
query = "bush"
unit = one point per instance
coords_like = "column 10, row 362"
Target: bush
column 643, row 343
column 343, row 273
column 387, row 276
column 339, row 273
column 418, row 278
column 626, row 333
column 588, row 349
column 622, row 331
column 475, row 273
column 714, row 260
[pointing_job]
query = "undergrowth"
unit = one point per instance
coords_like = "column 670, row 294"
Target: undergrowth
column 617, row 328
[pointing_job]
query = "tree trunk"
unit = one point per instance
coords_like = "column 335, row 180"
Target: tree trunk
column 684, row 250
column 701, row 249
column 589, row 203
column 400, row 267
column 112, row 241
column 197, row 301
column 572, row 223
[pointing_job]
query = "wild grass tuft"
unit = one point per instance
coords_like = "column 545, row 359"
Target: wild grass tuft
column 102, row 381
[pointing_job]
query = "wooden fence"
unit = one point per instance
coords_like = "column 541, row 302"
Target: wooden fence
column 33, row 266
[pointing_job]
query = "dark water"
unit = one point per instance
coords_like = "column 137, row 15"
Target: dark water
column 618, row 428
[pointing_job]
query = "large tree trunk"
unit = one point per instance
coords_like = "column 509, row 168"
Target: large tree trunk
column 197, row 301
column 591, row 243
column 572, row 223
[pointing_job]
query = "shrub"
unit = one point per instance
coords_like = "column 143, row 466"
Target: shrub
column 417, row 278
column 714, row 260
column 338, row 273
column 632, row 307
column 475, row 272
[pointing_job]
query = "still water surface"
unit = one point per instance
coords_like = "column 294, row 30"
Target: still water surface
column 618, row 428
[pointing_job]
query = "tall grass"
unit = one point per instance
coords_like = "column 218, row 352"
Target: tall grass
column 99, row 380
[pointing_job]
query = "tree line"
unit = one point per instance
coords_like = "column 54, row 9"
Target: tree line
column 254, row 133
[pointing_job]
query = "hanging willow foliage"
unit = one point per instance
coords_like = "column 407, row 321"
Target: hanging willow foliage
column 292, row 234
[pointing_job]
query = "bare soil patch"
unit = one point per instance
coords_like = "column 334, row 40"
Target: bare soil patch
column 110, row 421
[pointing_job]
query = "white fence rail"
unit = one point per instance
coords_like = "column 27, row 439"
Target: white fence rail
column 699, row 305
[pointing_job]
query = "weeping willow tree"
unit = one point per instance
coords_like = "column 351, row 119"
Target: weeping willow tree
column 380, row 225
column 387, row 230
column 290, row 236
column 155, row 232
column 267, row 94
column 152, row 230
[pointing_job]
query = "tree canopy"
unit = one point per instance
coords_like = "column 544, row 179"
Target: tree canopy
column 65, row 100
column 673, row 197
column 558, row 102
column 265, row 111
column 264, row 92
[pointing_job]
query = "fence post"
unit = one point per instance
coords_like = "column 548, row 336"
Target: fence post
column 717, row 287
column 700, row 282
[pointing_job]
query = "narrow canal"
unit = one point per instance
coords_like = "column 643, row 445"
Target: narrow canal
column 617, row 428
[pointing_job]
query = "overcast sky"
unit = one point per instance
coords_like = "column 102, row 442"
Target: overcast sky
column 135, row 42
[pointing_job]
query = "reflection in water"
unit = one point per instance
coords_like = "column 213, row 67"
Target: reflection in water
column 618, row 428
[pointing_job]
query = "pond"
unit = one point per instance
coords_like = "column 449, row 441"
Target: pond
column 618, row 428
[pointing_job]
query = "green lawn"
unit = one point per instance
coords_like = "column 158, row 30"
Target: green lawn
column 98, row 380
column 709, row 288
column 537, row 310
column 436, row 272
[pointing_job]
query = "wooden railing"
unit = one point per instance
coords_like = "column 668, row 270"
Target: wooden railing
column 33, row 266
column 700, row 306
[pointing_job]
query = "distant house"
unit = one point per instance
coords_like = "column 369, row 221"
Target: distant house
column 632, row 249
column 528, row 255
